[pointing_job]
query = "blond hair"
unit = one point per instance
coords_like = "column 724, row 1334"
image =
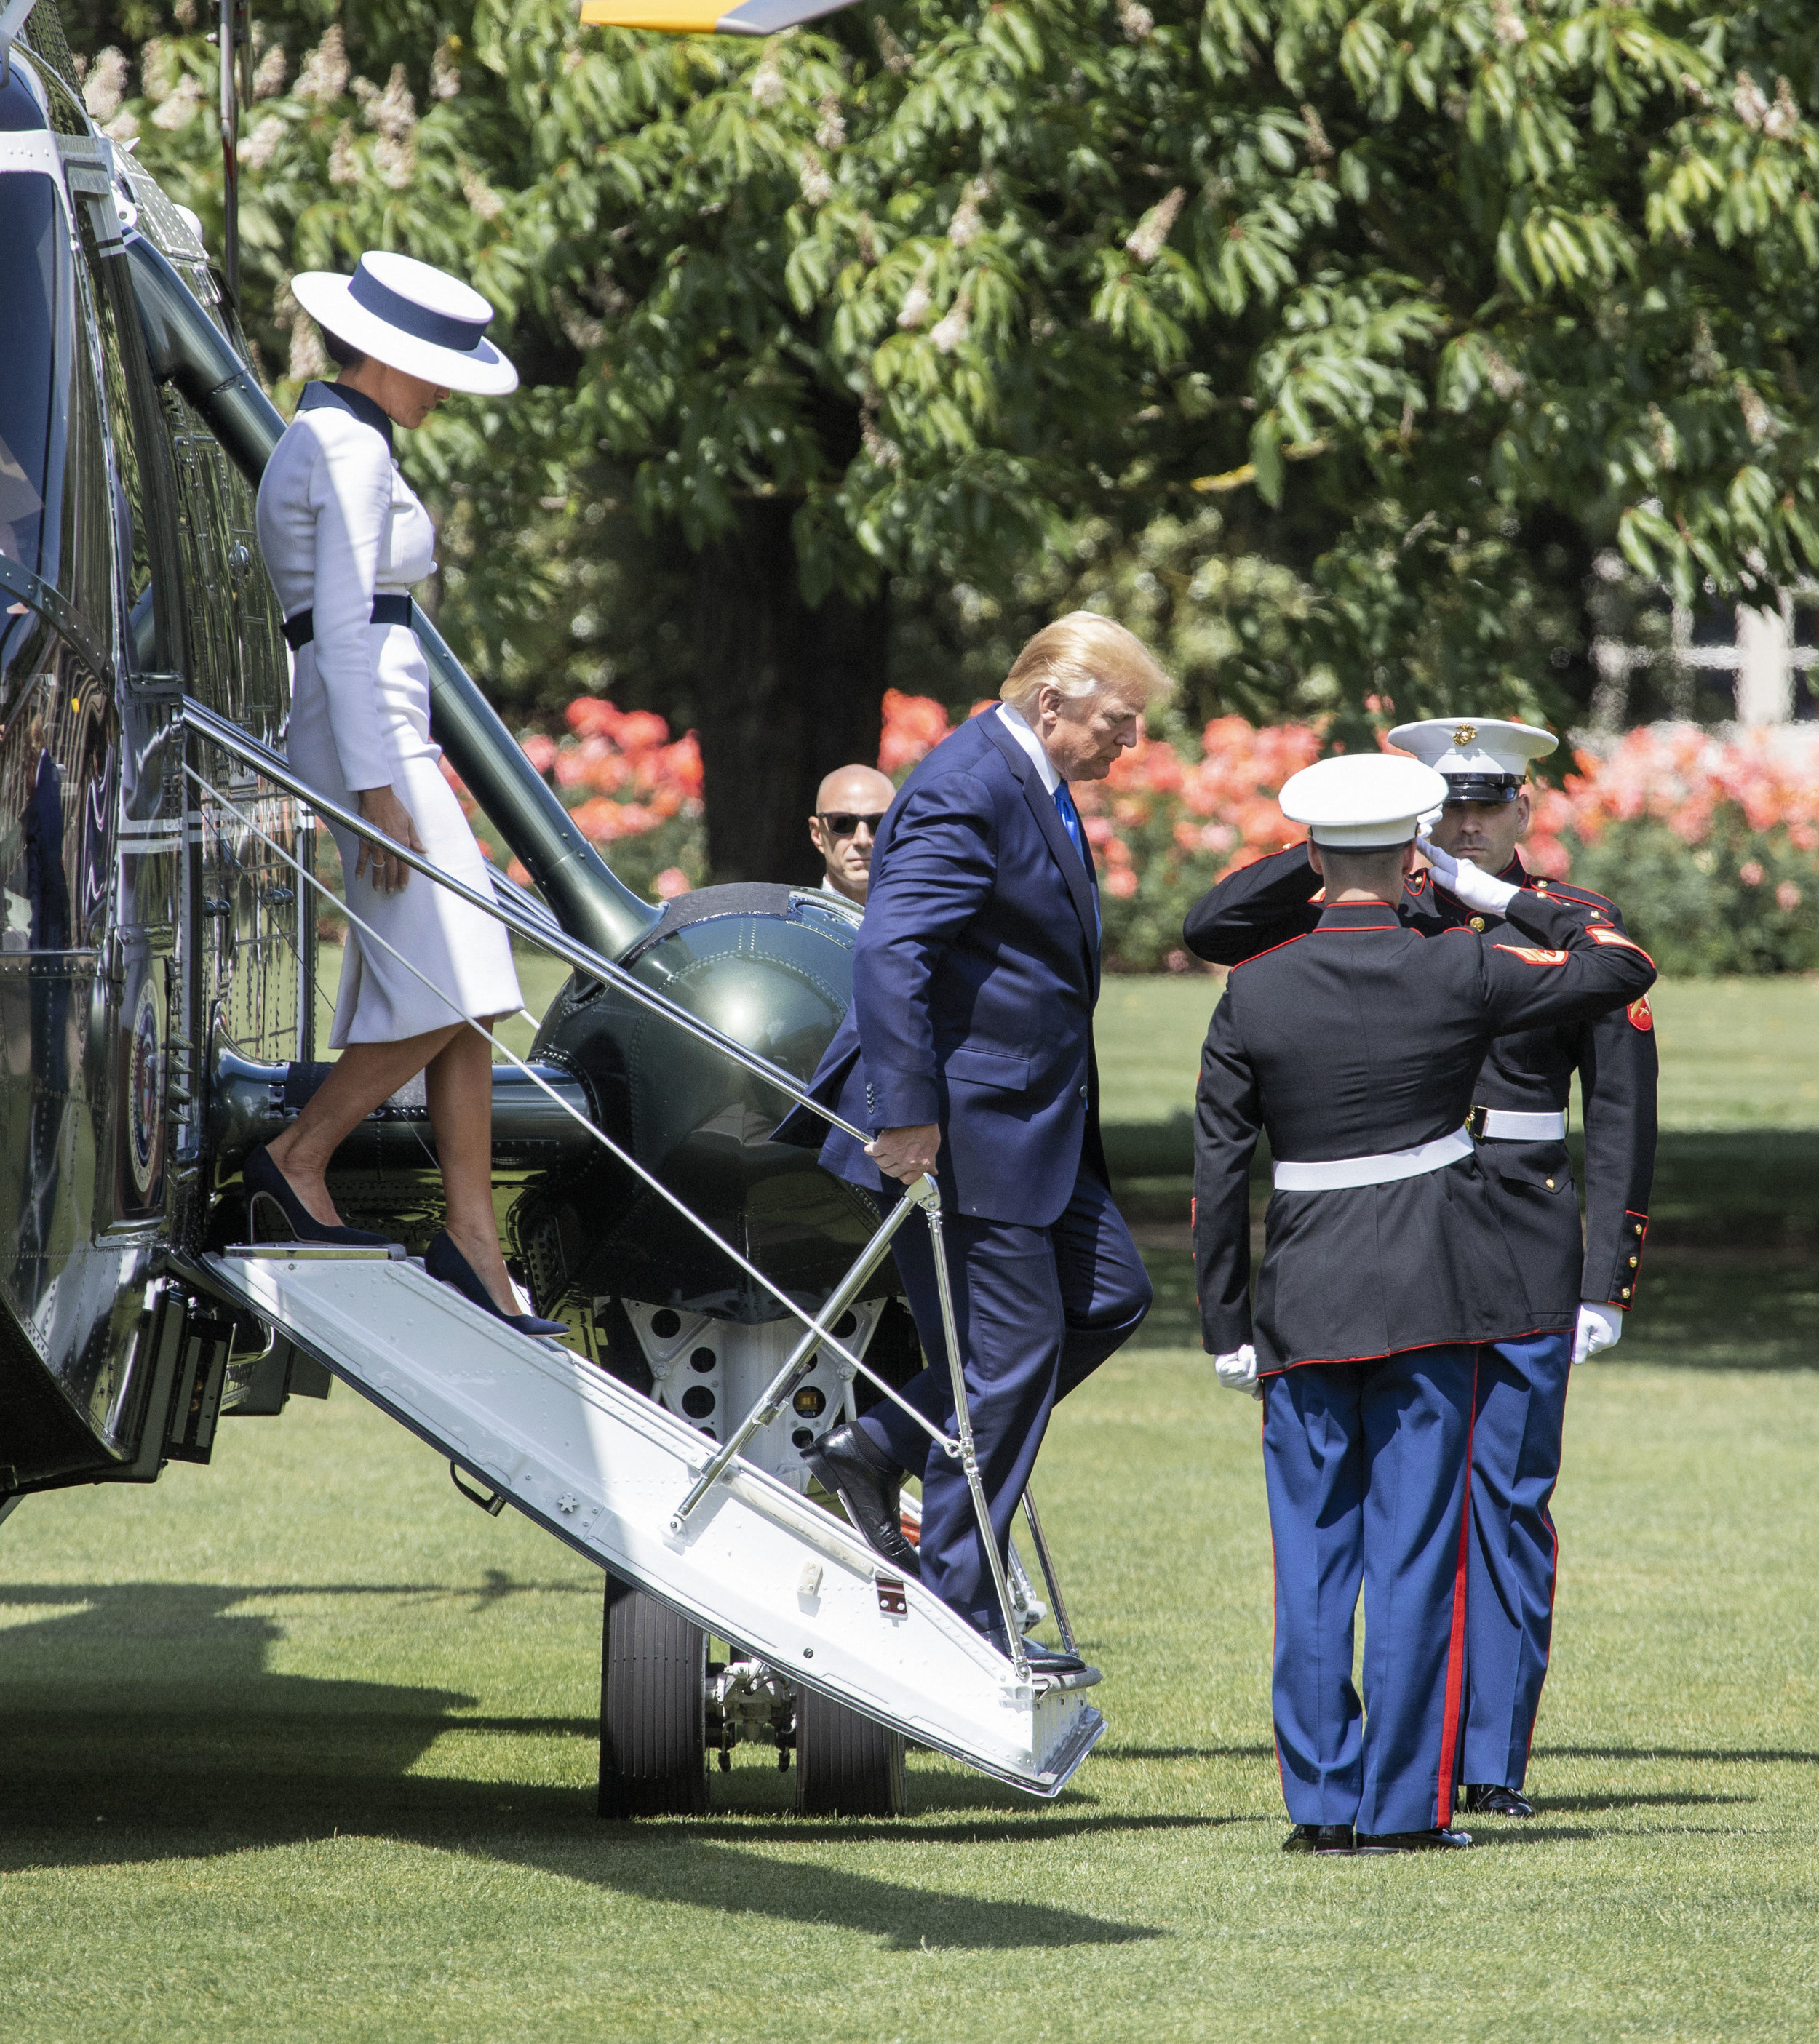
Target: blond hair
column 1079, row 653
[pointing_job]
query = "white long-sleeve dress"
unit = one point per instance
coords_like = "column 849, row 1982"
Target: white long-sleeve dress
column 339, row 525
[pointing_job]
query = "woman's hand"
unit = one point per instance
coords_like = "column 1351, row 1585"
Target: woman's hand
column 381, row 807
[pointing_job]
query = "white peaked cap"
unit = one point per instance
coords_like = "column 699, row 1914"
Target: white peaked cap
column 1488, row 751
column 412, row 316
column 1365, row 802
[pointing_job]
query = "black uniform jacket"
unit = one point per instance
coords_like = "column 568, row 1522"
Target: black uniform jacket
column 1265, row 904
column 1361, row 1037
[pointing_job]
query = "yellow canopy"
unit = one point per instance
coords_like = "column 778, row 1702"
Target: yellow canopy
column 705, row 18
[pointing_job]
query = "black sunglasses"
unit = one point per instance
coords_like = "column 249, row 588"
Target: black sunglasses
column 843, row 823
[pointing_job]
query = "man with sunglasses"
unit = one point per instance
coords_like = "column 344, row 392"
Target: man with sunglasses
column 849, row 806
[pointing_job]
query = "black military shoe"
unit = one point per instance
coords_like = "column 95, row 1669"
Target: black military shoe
column 1330, row 1841
column 869, row 1485
column 1485, row 1799
column 1439, row 1839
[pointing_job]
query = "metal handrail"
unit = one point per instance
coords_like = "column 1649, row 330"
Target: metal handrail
column 808, row 1319
column 533, row 928
column 922, row 1192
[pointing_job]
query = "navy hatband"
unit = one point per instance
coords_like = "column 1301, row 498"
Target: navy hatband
column 441, row 330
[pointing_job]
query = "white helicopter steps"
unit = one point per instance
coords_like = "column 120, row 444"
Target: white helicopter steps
column 604, row 1470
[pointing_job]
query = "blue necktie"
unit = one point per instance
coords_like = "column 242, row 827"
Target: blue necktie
column 1076, row 831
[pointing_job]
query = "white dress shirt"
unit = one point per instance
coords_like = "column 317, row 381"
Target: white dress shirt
column 1019, row 729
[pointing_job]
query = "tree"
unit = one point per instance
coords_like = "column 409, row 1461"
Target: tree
column 1332, row 344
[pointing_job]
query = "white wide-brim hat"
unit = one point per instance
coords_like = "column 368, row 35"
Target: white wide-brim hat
column 412, row 316
column 1365, row 801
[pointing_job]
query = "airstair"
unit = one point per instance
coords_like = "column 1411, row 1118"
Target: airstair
column 694, row 1522
column 605, row 1471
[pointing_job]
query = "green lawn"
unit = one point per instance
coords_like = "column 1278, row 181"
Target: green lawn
column 300, row 1746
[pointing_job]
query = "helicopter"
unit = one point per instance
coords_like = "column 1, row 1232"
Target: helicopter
column 158, row 970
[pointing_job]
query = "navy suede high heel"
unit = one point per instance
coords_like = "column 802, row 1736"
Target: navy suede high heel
column 444, row 1262
column 266, row 1186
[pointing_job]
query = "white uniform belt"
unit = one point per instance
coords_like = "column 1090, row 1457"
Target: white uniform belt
column 1385, row 1169
column 1503, row 1128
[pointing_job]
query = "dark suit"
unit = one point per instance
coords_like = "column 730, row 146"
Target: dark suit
column 974, row 983
column 1521, row 1395
column 1374, row 1308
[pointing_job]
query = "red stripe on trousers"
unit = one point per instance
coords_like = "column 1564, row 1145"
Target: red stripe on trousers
column 1456, row 1646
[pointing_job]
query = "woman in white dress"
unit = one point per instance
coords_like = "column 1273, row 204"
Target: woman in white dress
column 344, row 537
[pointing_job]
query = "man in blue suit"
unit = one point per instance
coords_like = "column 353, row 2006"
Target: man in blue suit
column 968, row 1051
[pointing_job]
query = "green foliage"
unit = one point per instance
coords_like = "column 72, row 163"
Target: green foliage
column 1431, row 300
column 1742, row 902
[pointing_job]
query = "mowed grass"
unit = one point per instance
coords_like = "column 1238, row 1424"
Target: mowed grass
column 302, row 1746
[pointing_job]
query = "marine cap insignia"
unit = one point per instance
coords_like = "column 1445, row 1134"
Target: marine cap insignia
column 1465, row 734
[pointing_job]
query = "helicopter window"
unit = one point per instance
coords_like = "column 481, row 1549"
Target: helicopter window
column 57, row 764
column 53, row 475
column 130, row 505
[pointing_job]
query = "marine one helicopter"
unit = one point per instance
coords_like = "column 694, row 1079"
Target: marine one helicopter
column 727, row 1300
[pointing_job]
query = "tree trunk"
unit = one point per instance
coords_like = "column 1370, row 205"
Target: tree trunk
column 784, row 695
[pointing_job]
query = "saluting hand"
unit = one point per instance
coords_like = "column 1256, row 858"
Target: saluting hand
column 908, row 1154
column 381, row 807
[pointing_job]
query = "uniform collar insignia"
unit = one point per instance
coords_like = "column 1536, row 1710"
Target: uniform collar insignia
column 338, row 397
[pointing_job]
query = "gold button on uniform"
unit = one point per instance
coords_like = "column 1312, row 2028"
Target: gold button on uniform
column 1550, row 1184
column 1633, row 1263
column 1478, row 923
column 1626, row 1292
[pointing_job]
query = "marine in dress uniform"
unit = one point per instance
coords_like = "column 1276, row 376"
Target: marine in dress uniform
column 1356, row 1046
column 1519, row 1116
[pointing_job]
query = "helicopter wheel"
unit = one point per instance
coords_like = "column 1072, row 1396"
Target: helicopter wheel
column 846, row 1764
column 653, row 1700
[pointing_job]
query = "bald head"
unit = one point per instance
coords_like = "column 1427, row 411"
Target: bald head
column 848, row 805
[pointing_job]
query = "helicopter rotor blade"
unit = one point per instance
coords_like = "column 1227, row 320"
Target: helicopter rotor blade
column 706, row 18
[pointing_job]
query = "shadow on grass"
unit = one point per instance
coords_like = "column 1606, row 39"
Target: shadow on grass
column 1263, row 1751
column 1752, row 1756
column 141, row 1723
column 1616, row 1800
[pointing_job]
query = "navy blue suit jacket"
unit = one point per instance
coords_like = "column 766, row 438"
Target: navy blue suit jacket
column 974, row 982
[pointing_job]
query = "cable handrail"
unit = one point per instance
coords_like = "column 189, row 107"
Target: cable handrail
column 534, row 928
column 952, row 1448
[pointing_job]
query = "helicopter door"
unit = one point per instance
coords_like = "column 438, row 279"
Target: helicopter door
column 58, row 764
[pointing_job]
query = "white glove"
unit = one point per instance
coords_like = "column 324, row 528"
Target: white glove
column 1474, row 887
column 1599, row 1327
column 1237, row 1371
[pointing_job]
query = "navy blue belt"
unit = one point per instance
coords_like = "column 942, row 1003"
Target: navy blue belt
column 300, row 627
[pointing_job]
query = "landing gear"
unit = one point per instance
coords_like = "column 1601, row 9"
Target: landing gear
column 846, row 1764
column 653, row 1681
column 664, row 1707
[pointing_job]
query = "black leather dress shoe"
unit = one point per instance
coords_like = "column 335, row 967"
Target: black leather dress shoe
column 1440, row 1839
column 1485, row 1799
column 869, row 1485
column 1043, row 1660
column 1330, row 1841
